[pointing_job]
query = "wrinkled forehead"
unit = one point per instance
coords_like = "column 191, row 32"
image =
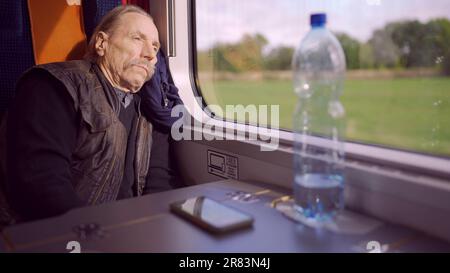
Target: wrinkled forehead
column 133, row 22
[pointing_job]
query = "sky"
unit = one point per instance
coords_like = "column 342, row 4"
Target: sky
column 285, row 22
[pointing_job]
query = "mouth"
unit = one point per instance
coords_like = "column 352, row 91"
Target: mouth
column 143, row 67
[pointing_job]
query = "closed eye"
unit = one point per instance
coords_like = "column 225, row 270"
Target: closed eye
column 156, row 46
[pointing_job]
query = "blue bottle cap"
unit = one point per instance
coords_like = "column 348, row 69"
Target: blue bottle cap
column 318, row 19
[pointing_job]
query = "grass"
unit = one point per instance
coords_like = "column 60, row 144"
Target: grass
column 406, row 113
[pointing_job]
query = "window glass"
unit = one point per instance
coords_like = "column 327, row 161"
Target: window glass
column 397, row 87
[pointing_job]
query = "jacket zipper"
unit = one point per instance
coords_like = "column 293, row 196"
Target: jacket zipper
column 164, row 93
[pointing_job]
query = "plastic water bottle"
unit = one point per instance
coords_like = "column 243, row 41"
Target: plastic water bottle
column 319, row 70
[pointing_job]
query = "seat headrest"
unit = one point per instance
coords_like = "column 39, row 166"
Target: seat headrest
column 57, row 30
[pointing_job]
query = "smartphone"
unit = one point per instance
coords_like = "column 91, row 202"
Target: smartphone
column 211, row 215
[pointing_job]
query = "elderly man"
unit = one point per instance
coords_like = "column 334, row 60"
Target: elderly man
column 75, row 132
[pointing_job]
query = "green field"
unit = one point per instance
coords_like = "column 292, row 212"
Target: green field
column 407, row 113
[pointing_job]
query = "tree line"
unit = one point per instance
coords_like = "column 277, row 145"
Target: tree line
column 404, row 44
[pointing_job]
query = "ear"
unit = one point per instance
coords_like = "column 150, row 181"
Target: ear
column 101, row 43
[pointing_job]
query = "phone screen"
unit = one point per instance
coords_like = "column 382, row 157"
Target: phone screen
column 211, row 214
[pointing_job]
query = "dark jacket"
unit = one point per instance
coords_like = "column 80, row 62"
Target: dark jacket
column 97, row 162
column 160, row 95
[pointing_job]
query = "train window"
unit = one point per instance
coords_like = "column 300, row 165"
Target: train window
column 397, row 88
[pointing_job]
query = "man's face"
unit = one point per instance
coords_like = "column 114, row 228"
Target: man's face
column 129, row 53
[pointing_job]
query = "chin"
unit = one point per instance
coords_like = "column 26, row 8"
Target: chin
column 136, row 88
column 135, row 84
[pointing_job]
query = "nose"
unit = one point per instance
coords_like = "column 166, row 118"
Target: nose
column 149, row 52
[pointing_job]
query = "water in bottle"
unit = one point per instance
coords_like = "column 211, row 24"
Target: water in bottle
column 319, row 70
